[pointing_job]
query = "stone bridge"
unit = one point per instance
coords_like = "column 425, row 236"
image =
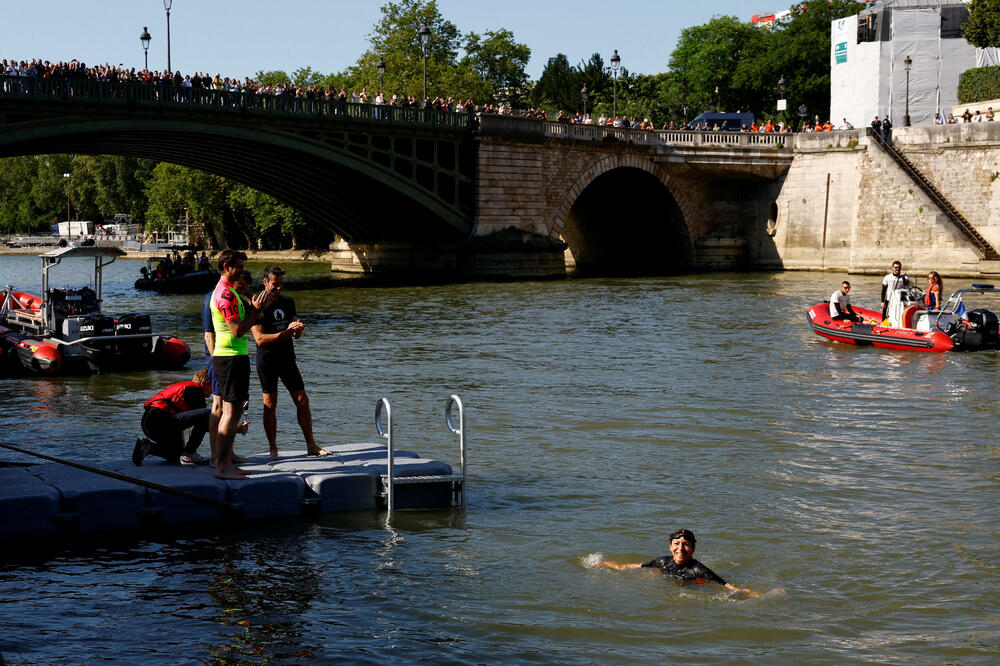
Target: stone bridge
column 418, row 192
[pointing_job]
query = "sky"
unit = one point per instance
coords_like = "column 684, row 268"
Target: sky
column 241, row 37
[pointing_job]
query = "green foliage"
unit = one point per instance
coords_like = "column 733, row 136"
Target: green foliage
column 274, row 223
column 498, row 61
column 558, row 87
column 395, row 37
column 977, row 85
column 272, row 78
column 983, row 27
column 716, row 56
column 746, row 62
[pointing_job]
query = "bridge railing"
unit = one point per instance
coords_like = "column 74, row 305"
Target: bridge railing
column 498, row 124
column 147, row 95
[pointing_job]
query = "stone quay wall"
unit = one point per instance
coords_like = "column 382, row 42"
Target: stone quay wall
column 851, row 208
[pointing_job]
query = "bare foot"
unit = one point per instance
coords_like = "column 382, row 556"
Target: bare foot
column 239, row 460
column 273, row 456
column 318, row 452
column 230, row 471
column 230, row 476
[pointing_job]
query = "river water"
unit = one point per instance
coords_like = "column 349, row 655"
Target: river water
column 601, row 414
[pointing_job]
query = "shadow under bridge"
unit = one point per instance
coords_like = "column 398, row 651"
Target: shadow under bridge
column 369, row 174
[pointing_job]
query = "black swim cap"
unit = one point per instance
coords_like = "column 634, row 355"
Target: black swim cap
column 687, row 534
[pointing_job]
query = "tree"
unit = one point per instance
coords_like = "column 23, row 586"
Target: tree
column 983, row 27
column 710, row 56
column 395, row 37
column 558, row 87
column 18, row 212
column 272, row 221
column 798, row 48
column 500, row 63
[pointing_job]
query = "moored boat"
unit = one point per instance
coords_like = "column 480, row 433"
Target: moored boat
column 191, row 282
column 960, row 325
column 65, row 331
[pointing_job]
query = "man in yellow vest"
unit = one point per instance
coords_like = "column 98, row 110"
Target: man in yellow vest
column 232, row 318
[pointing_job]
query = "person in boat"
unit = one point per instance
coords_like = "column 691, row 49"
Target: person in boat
column 897, row 279
column 232, row 318
column 276, row 360
column 168, row 414
column 204, row 263
column 680, row 563
column 932, row 297
column 840, row 305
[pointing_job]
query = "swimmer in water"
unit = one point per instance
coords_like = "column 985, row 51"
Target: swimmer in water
column 680, row 563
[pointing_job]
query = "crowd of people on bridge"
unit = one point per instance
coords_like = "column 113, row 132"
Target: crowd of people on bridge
column 76, row 70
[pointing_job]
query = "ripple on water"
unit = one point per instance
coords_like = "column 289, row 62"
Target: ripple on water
column 602, row 414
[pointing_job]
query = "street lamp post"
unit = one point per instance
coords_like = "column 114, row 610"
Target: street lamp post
column 425, row 38
column 717, row 104
column 166, row 5
column 616, row 61
column 906, row 117
column 67, row 176
column 782, row 86
column 583, row 96
column 380, row 67
column 803, row 112
column 144, row 39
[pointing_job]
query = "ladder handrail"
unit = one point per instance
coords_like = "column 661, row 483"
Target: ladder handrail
column 386, row 433
column 453, row 400
column 983, row 247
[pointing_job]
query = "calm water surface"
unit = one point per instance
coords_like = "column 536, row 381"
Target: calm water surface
column 602, row 414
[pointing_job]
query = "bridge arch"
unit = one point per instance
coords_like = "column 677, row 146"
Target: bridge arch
column 622, row 216
column 338, row 187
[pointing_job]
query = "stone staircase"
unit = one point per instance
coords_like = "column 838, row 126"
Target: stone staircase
column 986, row 251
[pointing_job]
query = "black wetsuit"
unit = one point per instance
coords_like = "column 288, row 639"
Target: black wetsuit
column 277, row 360
column 693, row 570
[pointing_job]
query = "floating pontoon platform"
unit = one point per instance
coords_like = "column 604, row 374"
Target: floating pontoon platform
column 53, row 499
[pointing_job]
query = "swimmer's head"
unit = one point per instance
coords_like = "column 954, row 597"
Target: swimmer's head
column 687, row 534
column 682, row 546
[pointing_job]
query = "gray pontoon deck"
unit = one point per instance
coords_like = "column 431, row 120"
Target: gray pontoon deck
column 53, row 499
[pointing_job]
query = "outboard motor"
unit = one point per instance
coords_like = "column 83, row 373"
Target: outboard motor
column 99, row 353
column 979, row 331
column 133, row 352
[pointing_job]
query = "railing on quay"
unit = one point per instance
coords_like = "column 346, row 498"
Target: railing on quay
column 149, row 95
column 514, row 125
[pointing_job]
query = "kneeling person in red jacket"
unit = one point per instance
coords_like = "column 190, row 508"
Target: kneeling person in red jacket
column 168, row 414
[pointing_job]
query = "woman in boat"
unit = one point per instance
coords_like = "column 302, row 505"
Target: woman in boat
column 932, row 298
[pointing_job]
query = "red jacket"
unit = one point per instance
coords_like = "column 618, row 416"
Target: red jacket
column 177, row 398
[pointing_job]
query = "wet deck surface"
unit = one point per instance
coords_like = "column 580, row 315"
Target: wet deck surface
column 53, row 499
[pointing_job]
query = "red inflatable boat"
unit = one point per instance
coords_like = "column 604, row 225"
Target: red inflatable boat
column 961, row 324
column 872, row 333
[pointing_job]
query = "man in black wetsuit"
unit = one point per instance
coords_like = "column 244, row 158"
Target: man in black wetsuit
column 276, row 360
column 680, row 563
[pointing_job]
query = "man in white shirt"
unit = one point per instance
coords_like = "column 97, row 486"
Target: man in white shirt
column 895, row 280
column 840, row 305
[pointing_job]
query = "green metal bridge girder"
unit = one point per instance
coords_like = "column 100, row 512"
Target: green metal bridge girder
column 373, row 181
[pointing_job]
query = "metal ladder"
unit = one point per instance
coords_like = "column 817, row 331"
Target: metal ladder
column 390, row 480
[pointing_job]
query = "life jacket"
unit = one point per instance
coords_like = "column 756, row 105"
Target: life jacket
column 928, row 300
column 171, row 399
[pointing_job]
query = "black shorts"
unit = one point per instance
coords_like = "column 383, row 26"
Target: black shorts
column 234, row 377
column 270, row 370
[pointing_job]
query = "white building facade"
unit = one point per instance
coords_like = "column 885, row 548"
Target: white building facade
column 868, row 76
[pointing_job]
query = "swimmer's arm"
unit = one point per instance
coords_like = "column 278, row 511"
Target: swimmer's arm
column 608, row 564
column 742, row 590
column 210, row 341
